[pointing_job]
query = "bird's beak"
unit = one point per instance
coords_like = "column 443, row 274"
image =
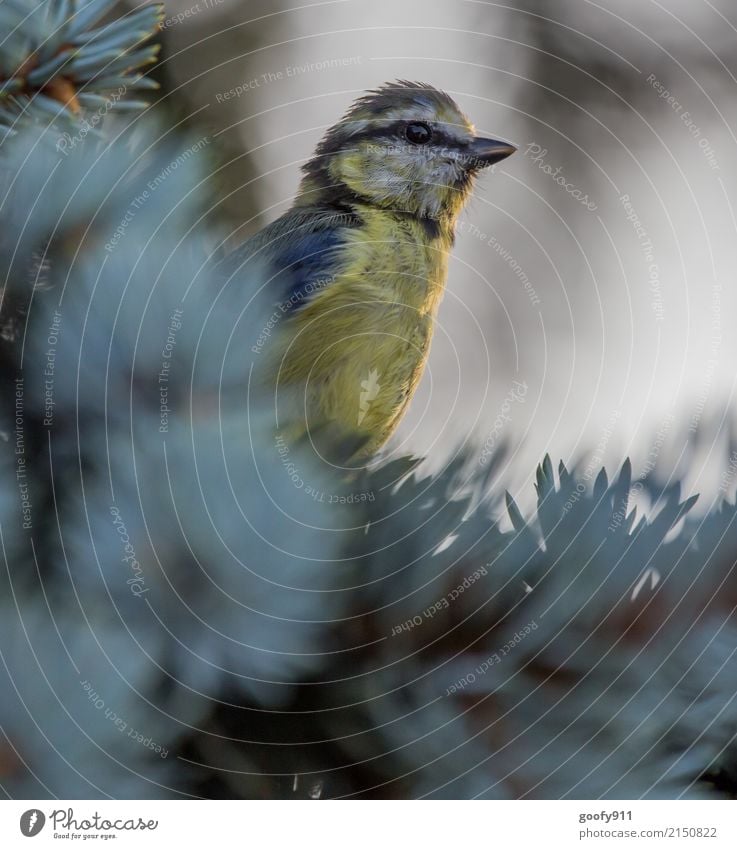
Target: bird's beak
column 486, row 152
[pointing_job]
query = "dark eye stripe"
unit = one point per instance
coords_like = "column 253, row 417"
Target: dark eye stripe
column 391, row 134
column 394, row 133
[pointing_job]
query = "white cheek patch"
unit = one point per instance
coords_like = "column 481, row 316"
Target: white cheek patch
column 452, row 173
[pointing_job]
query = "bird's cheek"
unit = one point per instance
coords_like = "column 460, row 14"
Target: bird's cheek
column 417, row 175
column 438, row 179
column 350, row 169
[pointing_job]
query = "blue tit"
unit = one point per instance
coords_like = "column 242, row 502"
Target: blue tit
column 358, row 264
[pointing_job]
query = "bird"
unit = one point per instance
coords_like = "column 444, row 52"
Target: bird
column 358, row 264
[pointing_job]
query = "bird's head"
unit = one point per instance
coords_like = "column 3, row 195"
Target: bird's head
column 406, row 147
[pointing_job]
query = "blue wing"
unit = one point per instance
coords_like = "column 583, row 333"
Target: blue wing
column 300, row 253
column 307, row 264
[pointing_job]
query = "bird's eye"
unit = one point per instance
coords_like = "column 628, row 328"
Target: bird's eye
column 418, row 133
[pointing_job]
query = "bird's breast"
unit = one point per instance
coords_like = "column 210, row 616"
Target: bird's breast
column 362, row 343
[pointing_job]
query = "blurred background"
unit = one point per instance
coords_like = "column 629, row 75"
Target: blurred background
column 190, row 607
column 594, row 267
